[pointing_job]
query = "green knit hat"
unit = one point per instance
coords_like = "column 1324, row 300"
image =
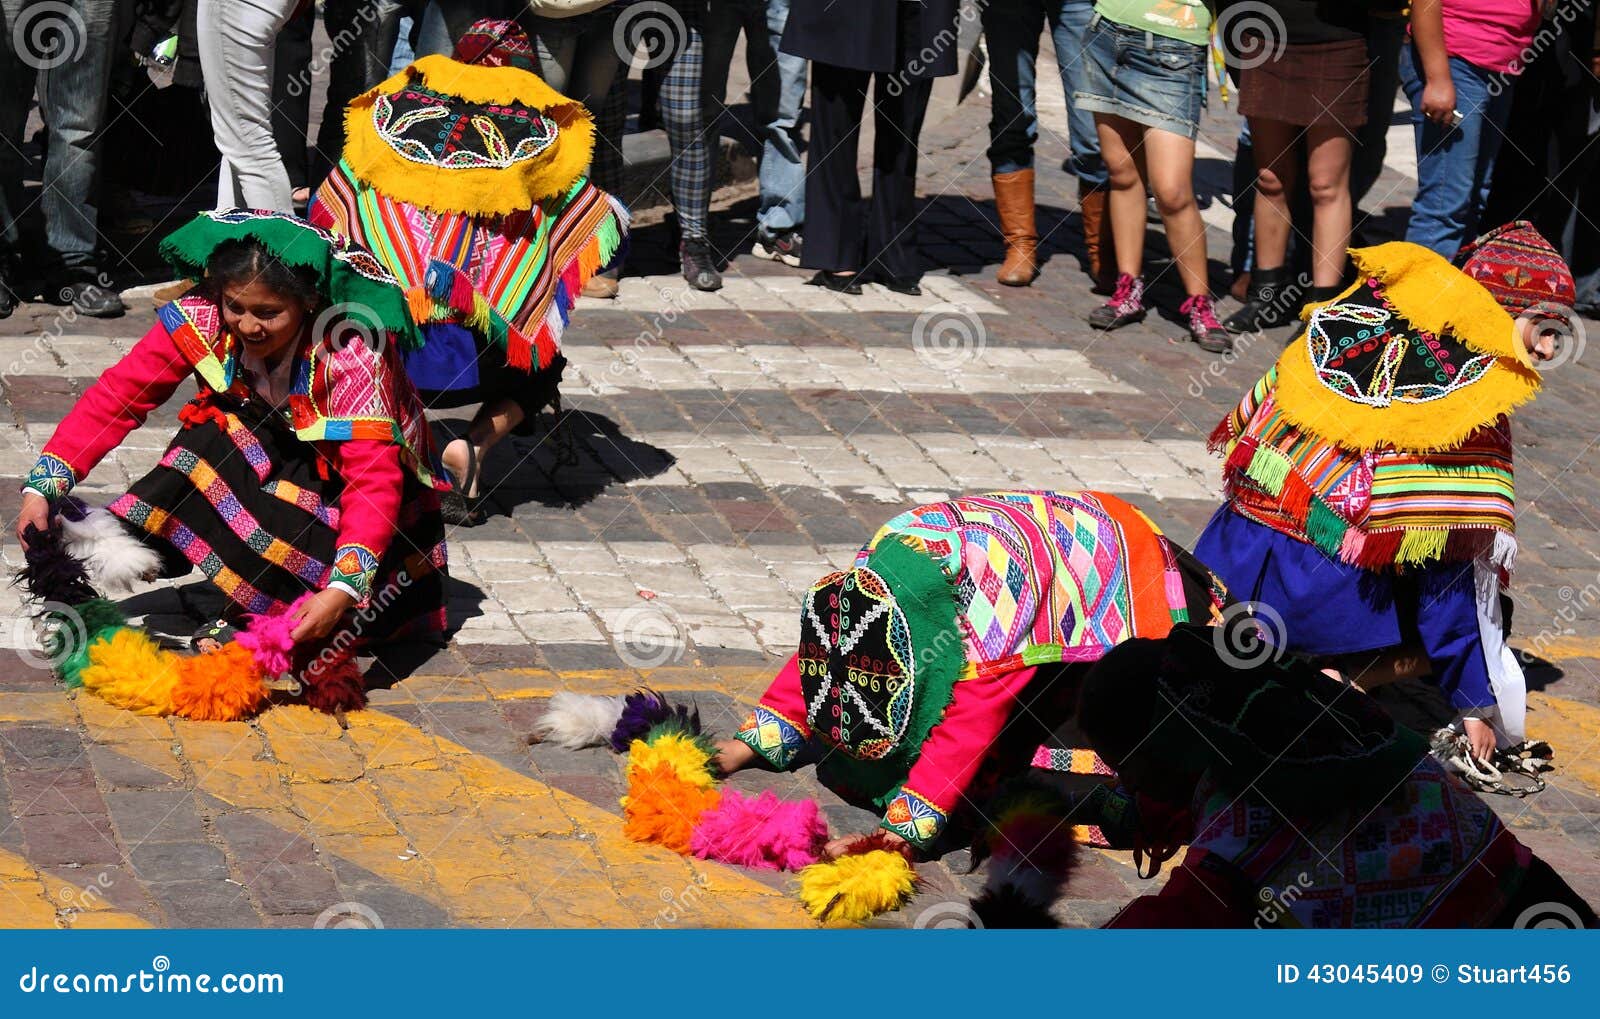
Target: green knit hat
column 347, row 276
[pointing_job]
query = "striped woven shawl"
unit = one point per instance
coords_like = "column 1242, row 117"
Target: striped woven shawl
column 1378, row 510
column 512, row 279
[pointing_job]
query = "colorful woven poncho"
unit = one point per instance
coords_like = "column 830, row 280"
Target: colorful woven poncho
column 467, row 182
column 1381, row 436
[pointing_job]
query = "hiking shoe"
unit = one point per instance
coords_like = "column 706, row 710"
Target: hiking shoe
column 1204, row 328
column 91, row 297
column 1125, row 307
column 699, row 264
column 783, row 246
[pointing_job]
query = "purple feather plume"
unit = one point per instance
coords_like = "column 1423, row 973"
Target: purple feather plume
column 642, row 711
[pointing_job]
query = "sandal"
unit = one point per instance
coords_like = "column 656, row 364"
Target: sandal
column 219, row 630
column 459, row 509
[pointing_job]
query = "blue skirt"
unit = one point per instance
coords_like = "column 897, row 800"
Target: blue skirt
column 1329, row 607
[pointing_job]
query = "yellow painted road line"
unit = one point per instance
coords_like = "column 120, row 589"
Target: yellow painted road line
column 30, row 898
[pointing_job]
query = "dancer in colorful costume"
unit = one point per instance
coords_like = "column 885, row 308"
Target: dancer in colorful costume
column 300, row 475
column 465, row 177
column 1302, row 802
column 940, row 662
column 1369, row 478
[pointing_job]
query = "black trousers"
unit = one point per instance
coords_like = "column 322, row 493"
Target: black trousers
column 843, row 231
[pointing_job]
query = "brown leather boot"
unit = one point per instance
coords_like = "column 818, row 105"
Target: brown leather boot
column 1013, row 200
column 1097, row 240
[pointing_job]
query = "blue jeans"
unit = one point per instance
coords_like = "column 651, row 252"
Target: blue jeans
column 777, row 93
column 72, row 99
column 1012, row 31
column 1454, row 164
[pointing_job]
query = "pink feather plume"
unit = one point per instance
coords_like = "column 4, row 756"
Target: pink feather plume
column 763, row 832
column 268, row 638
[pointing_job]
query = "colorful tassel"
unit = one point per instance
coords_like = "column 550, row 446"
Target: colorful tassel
column 219, row 686
column 1421, row 546
column 575, row 720
column 1031, row 849
column 333, row 685
column 87, row 623
column 688, row 757
column 270, row 640
column 1325, row 527
column 642, row 710
column 662, row 808
column 763, row 832
column 854, row 889
column 128, row 670
column 1269, row 469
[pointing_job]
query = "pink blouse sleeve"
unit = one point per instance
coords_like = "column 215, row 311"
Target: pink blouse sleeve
column 776, row 728
column 368, row 509
column 115, row 405
column 952, row 754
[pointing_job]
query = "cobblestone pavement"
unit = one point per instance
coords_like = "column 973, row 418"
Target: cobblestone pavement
column 720, row 451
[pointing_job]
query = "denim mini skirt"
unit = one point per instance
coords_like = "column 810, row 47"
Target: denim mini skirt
column 1143, row 77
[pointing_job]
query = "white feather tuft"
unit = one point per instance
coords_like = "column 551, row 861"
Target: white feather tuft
column 1036, row 886
column 576, row 720
column 115, row 559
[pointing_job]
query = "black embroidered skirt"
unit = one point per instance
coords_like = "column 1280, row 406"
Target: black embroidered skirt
column 245, row 500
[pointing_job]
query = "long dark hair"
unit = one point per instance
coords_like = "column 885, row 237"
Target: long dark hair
column 247, row 260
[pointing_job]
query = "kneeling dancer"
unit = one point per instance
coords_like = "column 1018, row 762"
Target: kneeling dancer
column 939, row 663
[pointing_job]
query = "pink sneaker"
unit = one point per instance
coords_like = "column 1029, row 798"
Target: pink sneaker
column 1125, row 307
column 1204, row 328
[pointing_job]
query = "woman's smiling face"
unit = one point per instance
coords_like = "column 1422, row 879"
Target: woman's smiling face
column 266, row 321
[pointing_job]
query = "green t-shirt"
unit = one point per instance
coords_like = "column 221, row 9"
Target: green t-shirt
column 1185, row 20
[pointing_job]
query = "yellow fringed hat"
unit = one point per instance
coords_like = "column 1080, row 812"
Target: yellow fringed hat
column 482, row 141
column 1416, row 355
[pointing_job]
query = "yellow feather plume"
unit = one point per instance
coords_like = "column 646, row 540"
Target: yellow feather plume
column 687, row 759
column 854, row 889
column 130, row 671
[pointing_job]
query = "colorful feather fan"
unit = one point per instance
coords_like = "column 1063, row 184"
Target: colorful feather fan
column 575, row 720
column 90, row 644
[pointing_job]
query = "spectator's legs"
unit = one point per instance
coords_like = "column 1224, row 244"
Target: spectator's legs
column 236, row 49
column 1120, row 146
column 362, row 35
column 724, row 20
column 1453, row 163
column 1385, row 39
column 691, row 156
column 1169, row 162
column 779, row 93
column 834, row 212
column 291, row 95
column 1013, row 35
column 445, row 21
column 1277, row 158
column 1328, row 175
column 898, row 112
column 1069, row 25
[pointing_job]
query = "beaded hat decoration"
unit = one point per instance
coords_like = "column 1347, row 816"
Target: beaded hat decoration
column 478, row 140
column 1414, row 355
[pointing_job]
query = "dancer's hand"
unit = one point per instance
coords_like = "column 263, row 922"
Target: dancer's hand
column 35, row 511
column 844, row 845
column 733, row 755
column 317, row 617
column 1481, row 735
